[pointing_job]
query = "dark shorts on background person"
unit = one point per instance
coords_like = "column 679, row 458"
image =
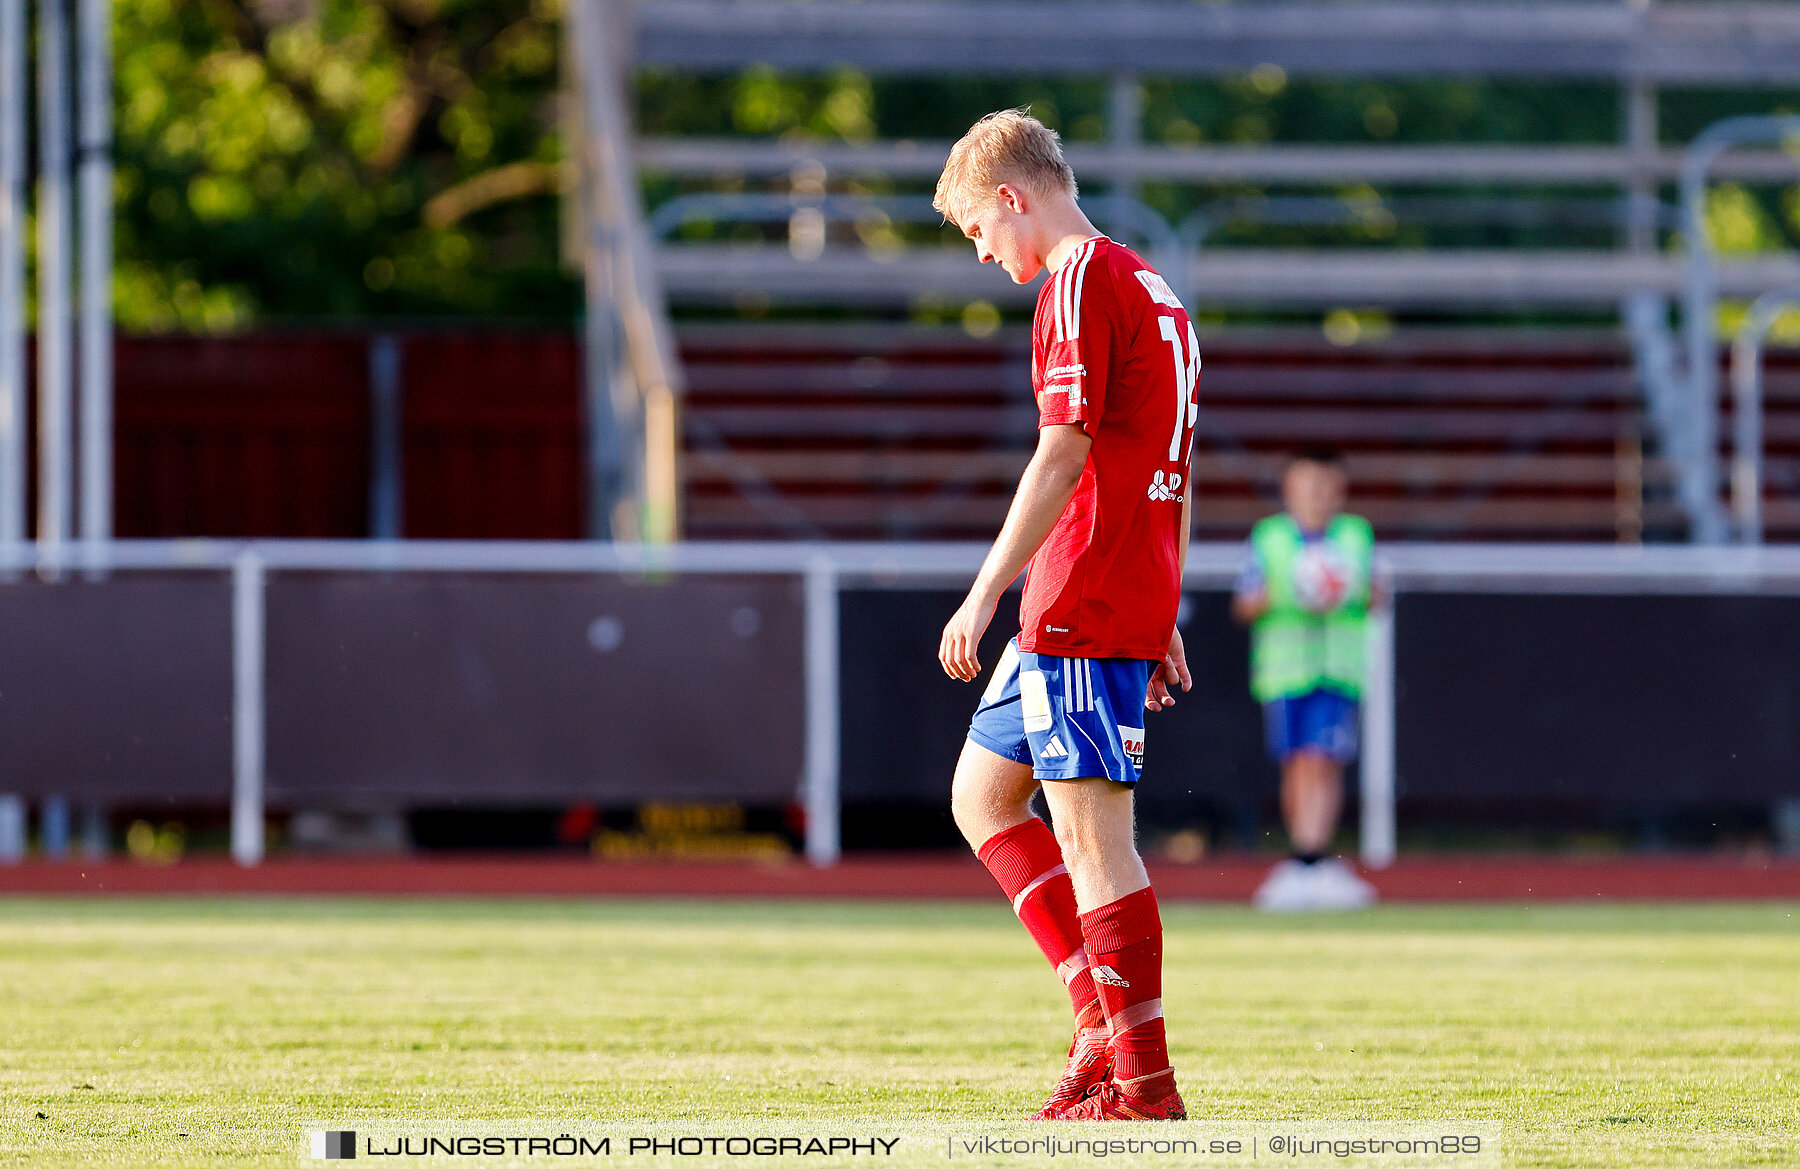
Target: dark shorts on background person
column 1323, row 721
column 1069, row 718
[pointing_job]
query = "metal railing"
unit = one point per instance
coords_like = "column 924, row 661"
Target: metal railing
column 1172, row 247
column 1684, row 392
column 1747, row 410
column 1665, row 43
column 1700, row 297
column 826, row 568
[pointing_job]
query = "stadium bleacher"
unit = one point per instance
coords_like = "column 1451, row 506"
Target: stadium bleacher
column 888, row 431
column 872, row 432
column 1781, row 445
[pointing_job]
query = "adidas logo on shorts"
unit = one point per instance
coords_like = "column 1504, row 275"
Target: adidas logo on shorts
column 1054, row 749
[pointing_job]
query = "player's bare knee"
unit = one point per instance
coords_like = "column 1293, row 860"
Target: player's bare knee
column 984, row 801
column 973, row 817
column 1087, row 847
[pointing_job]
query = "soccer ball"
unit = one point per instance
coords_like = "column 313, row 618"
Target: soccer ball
column 1323, row 578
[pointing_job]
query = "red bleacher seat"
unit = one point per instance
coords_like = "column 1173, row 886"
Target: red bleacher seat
column 892, row 432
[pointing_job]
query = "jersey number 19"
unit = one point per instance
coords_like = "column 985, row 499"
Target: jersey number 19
column 1187, row 373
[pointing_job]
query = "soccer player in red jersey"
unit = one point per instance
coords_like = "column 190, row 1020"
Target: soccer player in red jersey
column 1101, row 517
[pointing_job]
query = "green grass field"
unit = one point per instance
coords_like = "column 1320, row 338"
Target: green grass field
column 192, row 1032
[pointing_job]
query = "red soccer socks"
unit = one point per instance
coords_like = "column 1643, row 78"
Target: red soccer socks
column 1124, row 945
column 1111, row 960
column 1029, row 866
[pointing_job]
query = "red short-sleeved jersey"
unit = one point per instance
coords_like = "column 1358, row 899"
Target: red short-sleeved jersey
column 1112, row 351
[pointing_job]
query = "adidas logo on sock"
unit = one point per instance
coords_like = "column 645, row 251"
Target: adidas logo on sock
column 1054, row 749
column 1109, row 976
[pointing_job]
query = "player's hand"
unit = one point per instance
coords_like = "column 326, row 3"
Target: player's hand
column 962, row 638
column 1174, row 669
column 1247, row 608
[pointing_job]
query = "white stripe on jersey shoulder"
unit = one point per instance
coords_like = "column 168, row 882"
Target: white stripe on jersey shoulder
column 1065, row 285
column 1065, row 291
column 1072, row 322
column 1087, row 253
column 1056, row 300
column 1062, row 322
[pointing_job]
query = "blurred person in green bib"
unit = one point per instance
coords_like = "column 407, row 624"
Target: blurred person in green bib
column 1308, row 582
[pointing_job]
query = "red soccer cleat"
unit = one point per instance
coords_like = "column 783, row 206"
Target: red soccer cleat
column 1119, row 1100
column 1089, row 1066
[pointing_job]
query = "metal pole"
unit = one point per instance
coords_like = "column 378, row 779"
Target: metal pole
column 1746, row 437
column 1700, row 298
column 1125, row 127
column 1700, row 409
column 1747, row 411
column 96, row 175
column 386, row 482
column 1378, row 740
column 12, row 273
column 636, row 294
column 53, row 827
column 600, row 358
column 1640, row 143
column 55, row 356
column 247, row 708
column 12, row 829
column 822, row 837
column 606, row 486
column 94, row 842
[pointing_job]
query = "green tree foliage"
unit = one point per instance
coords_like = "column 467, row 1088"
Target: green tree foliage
column 294, row 159
column 310, row 158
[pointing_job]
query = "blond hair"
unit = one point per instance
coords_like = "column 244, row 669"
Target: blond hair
column 1007, row 146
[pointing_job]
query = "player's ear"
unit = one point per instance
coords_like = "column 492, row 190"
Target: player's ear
column 1012, row 198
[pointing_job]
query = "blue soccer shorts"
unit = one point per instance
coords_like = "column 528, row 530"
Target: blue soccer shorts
column 1322, row 721
column 1069, row 718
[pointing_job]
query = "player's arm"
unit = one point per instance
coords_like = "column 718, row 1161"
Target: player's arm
column 1044, row 491
column 1174, row 668
column 1250, row 600
column 1187, row 523
column 1248, row 608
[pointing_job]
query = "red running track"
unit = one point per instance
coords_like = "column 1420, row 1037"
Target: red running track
column 1416, row 879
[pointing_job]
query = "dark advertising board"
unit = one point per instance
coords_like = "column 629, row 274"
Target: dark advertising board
column 117, row 689
column 528, row 689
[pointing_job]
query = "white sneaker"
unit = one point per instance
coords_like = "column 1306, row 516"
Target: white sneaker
column 1335, row 885
column 1287, row 888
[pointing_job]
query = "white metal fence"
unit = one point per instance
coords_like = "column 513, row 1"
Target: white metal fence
column 826, row 568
